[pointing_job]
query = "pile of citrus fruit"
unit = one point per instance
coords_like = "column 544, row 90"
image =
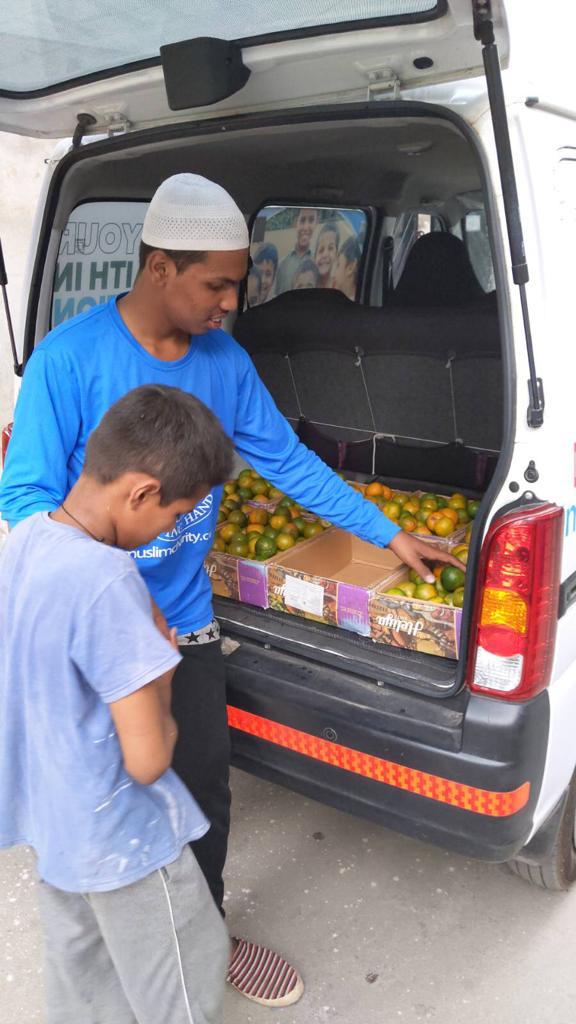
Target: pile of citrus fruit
column 250, row 486
column 448, row 587
column 423, row 514
column 255, row 533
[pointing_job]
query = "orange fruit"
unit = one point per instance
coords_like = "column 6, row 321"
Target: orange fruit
column 278, row 521
column 392, row 510
column 386, row 492
column 264, row 548
column 239, row 546
column 312, row 530
column 408, row 523
column 443, row 527
column 423, row 531
column 284, row 541
column 260, row 498
column 433, row 519
column 412, row 506
column 373, row 489
column 255, row 528
column 258, row 515
column 228, row 531
column 437, row 570
column 252, row 542
column 290, row 530
column 457, row 501
column 460, row 552
column 425, row 592
column 450, row 513
column 237, row 516
column 452, row 578
column 219, row 544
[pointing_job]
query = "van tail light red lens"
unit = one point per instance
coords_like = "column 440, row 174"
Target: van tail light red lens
column 6, row 435
column 516, row 608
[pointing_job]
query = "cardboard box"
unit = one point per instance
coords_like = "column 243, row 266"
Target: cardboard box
column 242, row 579
column 331, row 579
column 415, row 625
column 238, row 578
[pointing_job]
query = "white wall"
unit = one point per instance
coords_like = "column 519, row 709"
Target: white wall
column 21, row 170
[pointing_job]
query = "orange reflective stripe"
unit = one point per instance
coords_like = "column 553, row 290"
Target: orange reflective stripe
column 433, row 787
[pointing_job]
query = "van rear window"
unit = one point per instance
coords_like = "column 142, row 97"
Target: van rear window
column 98, row 256
column 295, row 247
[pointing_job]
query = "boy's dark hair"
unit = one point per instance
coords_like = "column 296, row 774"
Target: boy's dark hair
column 306, row 266
column 182, row 259
column 164, row 432
column 329, row 227
column 351, row 250
column 267, row 253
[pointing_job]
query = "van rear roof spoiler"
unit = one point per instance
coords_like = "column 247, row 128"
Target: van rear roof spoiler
column 484, row 32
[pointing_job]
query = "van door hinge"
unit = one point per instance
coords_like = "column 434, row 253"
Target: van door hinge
column 383, row 83
column 117, row 125
column 484, row 32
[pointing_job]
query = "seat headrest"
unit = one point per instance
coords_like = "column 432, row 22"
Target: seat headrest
column 437, row 272
column 279, row 323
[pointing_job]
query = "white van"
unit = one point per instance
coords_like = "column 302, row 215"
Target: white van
column 450, row 367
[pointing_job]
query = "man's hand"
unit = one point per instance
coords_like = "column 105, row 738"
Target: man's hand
column 412, row 550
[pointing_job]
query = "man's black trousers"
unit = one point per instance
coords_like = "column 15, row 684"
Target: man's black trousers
column 202, row 752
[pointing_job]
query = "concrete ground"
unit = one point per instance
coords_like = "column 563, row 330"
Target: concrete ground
column 384, row 929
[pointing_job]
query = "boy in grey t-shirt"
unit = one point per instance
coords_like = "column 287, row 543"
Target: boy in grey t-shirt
column 132, row 934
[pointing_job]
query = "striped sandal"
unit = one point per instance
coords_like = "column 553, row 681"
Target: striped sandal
column 263, row 976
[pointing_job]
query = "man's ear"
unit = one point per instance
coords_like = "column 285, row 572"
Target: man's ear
column 160, row 267
column 144, row 491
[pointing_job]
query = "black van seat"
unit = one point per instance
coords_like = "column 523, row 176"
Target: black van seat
column 370, row 388
column 437, row 272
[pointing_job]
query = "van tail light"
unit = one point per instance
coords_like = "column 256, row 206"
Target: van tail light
column 6, row 435
column 516, row 608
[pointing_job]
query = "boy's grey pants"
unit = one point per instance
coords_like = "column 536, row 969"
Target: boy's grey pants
column 155, row 952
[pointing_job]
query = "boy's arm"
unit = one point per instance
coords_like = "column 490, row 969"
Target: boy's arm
column 123, row 656
column 46, row 426
column 146, row 730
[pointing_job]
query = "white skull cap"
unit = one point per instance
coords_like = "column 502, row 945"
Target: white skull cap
column 191, row 213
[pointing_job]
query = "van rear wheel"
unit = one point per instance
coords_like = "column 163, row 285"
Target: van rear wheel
column 556, row 871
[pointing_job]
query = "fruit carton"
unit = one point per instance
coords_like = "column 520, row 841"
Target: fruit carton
column 331, row 579
column 239, row 579
column 413, row 624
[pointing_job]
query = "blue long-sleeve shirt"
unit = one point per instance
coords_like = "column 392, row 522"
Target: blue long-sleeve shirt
column 85, row 365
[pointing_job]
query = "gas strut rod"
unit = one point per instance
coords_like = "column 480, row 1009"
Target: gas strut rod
column 484, row 32
column 3, row 283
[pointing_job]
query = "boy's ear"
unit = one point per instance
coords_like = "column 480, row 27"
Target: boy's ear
column 144, row 491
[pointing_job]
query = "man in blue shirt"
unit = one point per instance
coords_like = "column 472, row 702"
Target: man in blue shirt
column 168, row 330
column 131, row 931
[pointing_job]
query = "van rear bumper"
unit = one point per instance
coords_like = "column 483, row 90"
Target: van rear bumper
column 462, row 772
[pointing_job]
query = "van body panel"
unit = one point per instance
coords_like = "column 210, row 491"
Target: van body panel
column 296, row 70
column 482, row 743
